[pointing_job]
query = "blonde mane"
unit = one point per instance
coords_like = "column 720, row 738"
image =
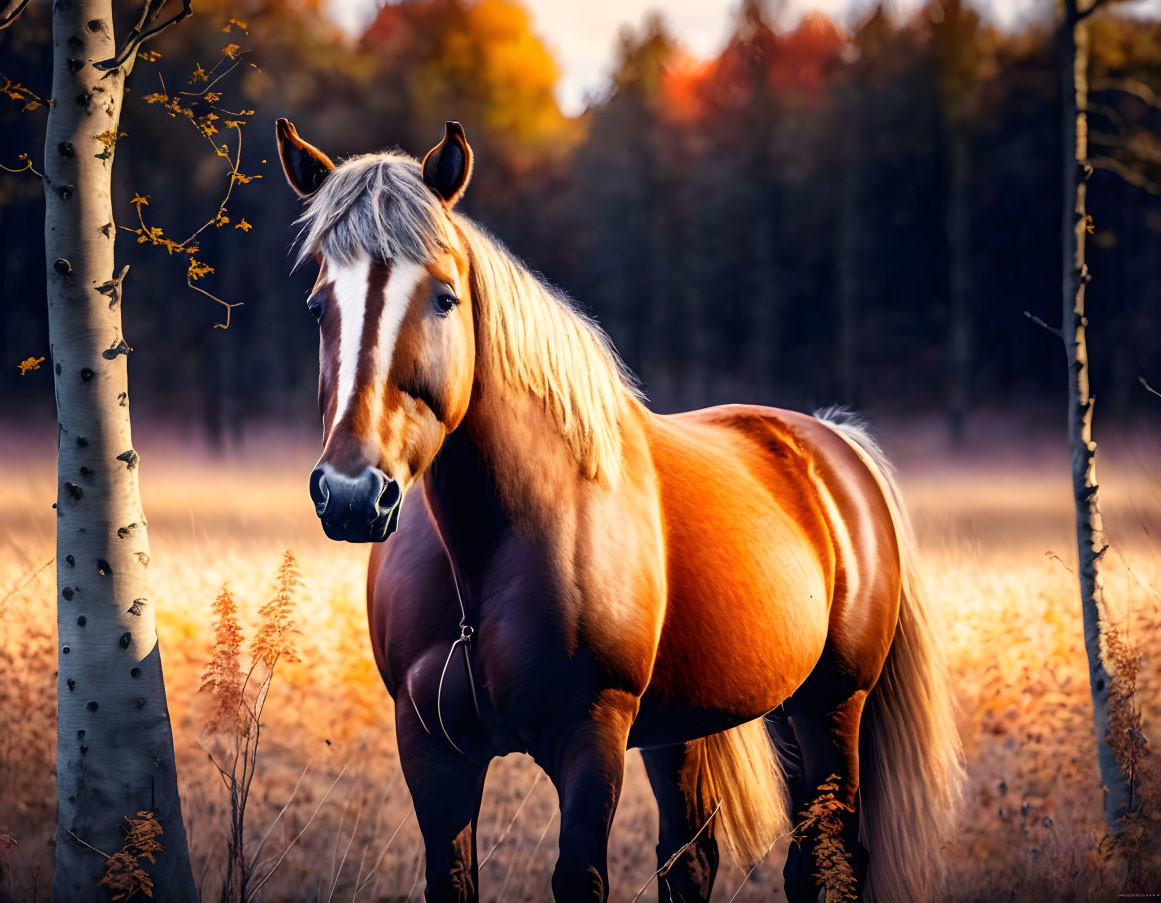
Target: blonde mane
column 532, row 336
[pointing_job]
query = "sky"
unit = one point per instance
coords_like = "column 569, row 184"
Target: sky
column 582, row 33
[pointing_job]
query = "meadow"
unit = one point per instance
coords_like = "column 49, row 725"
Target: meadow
column 998, row 553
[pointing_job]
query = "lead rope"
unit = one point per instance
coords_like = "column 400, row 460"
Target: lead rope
column 464, row 641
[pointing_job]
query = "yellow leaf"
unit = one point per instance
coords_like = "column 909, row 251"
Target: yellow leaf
column 30, row 363
column 156, row 98
column 139, row 201
column 238, row 23
column 199, row 75
column 231, row 51
column 243, row 225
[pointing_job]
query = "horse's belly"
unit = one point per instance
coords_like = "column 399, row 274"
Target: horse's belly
column 736, row 643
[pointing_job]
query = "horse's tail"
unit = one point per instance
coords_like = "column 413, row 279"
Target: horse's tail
column 737, row 776
column 910, row 758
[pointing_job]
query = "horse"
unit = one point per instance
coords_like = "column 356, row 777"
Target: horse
column 732, row 591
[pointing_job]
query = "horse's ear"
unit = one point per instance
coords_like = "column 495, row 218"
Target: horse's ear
column 304, row 164
column 448, row 166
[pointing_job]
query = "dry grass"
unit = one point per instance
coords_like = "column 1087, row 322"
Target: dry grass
column 997, row 547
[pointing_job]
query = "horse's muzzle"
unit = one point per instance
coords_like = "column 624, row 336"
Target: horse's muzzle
column 355, row 509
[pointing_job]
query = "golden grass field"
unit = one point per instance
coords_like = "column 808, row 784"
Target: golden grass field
column 998, row 552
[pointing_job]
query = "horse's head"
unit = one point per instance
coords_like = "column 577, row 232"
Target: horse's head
column 396, row 336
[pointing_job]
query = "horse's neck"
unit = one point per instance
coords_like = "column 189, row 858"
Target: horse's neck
column 506, row 469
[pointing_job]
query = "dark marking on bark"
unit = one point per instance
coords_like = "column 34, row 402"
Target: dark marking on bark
column 140, row 702
column 130, row 458
column 84, row 749
column 107, row 230
column 92, row 706
column 108, row 151
column 112, row 288
column 123, row 399
column 75, row 491
column 143, row 558
column 72, row 684
column 86, row 472
column 95, row 25
column 76, row 65
column 81, row 735
column 82, row 442
column 82, row 621
column 67, row 592
column 66, row 191
column 87, row 374
column 123, row 532
column 66, row 149
column 72, row 562
column 64, row 268
column 65, row 650
column 120, row 347
column 84, row 99
column 57, row 369
column 104, row 568
column 135, row 608
column 134, row 672
column 126, row 639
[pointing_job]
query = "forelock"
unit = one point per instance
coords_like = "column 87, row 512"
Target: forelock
column 377, row 206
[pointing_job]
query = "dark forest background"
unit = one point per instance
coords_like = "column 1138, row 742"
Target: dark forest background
column 813, row 217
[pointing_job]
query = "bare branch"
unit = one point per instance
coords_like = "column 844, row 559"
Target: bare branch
column 1148, row 388
column 146, row 29
column 1082, row 14
column 1035, row 319
column 11, row 12
column 1137, row 89
column 1130, row 175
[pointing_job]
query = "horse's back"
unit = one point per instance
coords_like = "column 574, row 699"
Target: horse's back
column 777, row 536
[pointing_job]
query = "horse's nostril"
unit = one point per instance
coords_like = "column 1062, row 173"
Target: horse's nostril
column 319, row 491
column 389, row 497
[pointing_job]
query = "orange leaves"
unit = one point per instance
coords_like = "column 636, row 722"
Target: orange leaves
column 150, row 56
column 109, row 137
column 124, row 877
column 243, row 225
column 235, row 23
column 30, row 363
column 230, row 51
column 198, row 75
column 274, row 639
column 197, row 269
column 18, row 92
column 223, row 679
column 139, row 202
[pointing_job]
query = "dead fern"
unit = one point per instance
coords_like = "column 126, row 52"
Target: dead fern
column 124, row 875
column 233, row 726
column 832, row 860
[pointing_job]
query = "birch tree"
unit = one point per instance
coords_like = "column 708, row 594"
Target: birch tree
column 114, row 744
column 1072, row 61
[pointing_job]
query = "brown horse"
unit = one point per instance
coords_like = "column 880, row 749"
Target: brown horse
column 575, row 575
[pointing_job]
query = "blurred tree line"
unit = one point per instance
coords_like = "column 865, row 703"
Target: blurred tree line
column 811, row 217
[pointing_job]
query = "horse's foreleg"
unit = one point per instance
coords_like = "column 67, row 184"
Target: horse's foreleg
column 586, row 764
column 446, row 789
column 687, row 830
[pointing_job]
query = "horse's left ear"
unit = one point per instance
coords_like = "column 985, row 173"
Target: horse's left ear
column 448, row 166
column 304, row 164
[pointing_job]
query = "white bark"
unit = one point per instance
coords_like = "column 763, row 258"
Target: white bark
column 1073, row 63
column 114, row 746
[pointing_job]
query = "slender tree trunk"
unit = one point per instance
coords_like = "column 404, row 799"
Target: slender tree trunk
column 1073, row 64
column 114, row 747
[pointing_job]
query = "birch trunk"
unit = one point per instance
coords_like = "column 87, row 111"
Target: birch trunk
column 114, row 746
column 1073, row 63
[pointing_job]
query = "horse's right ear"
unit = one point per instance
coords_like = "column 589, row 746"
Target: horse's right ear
column 304, row 164
column 448, row 166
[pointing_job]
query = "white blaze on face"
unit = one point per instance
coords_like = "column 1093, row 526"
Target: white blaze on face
column 351, row 292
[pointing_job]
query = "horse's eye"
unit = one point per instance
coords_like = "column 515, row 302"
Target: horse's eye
column 315, row 305
column 444, row 302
